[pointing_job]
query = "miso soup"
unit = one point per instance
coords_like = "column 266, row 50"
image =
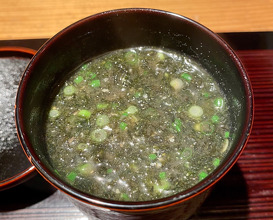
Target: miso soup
column 138, row 124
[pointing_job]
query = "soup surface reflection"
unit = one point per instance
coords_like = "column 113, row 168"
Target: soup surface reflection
column 138, row 124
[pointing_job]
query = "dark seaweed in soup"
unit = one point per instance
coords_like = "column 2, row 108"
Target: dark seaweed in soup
column 138, row 124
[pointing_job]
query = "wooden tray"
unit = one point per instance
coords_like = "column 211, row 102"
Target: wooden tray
column 246, row 192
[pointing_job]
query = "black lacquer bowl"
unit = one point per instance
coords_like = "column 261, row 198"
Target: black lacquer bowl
column 124, row 28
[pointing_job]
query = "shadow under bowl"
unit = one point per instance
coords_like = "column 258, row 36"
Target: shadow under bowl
column 118, row 29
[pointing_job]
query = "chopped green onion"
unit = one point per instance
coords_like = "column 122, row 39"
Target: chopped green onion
column 84, row 114
column 123, row 125
column 78, row 79
column 131, row 57
column 108, row 65
column 86, row 169
column 165, row 184
column 124, row 196
column 82, row 146
column 215, row 119
column 216, row 162
column 69, row 90
column 84, row 67
column 206, row 95
column 177, row 124
column 137, row 94
column 92, row 75
column 99, row 135
column 186, row 153
column 110, row 170
column 132, row 109
column 57, row 172
column 162, row 175
column 202, row 175
column 186, row 76
column 196, row 111
column 71, row 176
column 177, row 84
column 95, row 83
column 102, row 120
column 125, row 114
column 226, row 134
column 160, row 56
column 54, row 113
column 162, row 186
column 218, row 103
column 206, row 127
column 102, row 106
column 152, row 156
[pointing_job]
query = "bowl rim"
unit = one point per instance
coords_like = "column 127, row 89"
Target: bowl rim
column 152, row 204
column 29, row 172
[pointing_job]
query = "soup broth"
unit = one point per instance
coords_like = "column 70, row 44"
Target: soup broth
column 138, row 124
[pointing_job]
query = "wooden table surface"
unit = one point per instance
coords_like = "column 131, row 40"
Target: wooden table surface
column 24, row 19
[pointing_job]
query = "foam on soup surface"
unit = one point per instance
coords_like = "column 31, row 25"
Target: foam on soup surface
column 138, row 124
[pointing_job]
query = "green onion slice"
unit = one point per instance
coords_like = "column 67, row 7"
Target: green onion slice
column 99, row 135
